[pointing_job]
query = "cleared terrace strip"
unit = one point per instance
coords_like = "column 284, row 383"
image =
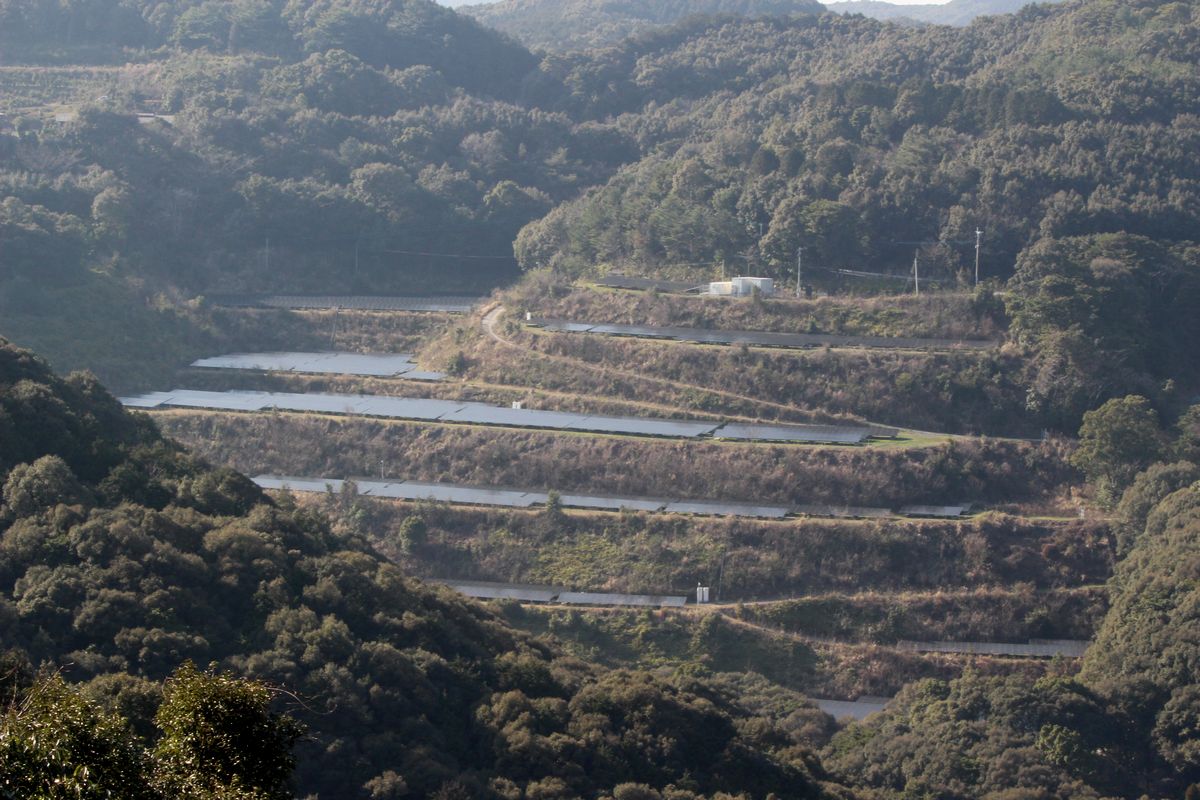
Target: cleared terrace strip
column 520, row 498
column 453, row 411
column 526, row 498
column 384, row 365
column 763, row 338
column 451, row 304
column 530, row 593
column 1035, row 648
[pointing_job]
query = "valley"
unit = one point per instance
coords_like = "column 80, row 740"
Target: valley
column 705, row 400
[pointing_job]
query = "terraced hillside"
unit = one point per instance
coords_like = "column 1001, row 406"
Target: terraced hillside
column 820, row 601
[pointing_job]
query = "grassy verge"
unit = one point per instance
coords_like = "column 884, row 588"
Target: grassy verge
column 986, row 471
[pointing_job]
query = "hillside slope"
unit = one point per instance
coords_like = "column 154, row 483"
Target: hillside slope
column 1063, row 134
column 121, row 556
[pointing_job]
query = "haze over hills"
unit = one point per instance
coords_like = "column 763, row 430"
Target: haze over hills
column 955, row 12
column 1015, row 457
column 577, row 24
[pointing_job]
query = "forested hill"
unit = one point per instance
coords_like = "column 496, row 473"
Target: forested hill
column 393, row 34
column 955, row 12
column 1065, row 133
column 557, row 25
column 121, row 556
column 395, row 146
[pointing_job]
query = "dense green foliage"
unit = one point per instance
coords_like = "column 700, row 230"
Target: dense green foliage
column 1128, row 725
column 978, row 737
column 1145, row 652
column 121, row 556
column 217, row 739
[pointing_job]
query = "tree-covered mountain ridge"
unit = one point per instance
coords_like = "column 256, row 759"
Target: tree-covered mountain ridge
column 559, row 25
column 1062, row 133
column 121, row 557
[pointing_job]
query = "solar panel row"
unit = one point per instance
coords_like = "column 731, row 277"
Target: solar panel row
column 454, row 304
column 518, row 498
column 487, row 590
column 521, row 498
column 945, row 512
column 378, row 364
column 482, row 414
column 762, row 338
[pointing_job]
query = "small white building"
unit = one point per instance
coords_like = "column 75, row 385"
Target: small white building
column 742, row 287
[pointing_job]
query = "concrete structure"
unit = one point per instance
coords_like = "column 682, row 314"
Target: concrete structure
column 742, row 287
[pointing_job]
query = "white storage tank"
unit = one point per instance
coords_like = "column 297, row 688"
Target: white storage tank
column 745, row 286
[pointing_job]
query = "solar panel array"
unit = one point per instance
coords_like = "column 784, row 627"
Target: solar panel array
column 483, row 414
column 763, row 338
column 488, row 590
column 1035, row 648
column 630, row 282
column 856, row 709
column 944, row 512
column 454, row 304
column 792, row 433
column 519, row 498
column 377, row 364
column 604, row 599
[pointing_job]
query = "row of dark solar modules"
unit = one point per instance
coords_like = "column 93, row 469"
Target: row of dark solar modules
column 630, row 282
column 454, row 411
column 520, row 498
column 530, row 593
column 761, row 338
column 373, row 364
column 453, row 304
column 1035, row 648
column 526, row 498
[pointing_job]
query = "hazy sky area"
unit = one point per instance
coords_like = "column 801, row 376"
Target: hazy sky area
column 457, row 3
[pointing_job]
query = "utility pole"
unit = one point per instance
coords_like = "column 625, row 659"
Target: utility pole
column 333, row 329
column 799, row 269
column 268, row 254
column 978, row 235
column 917, row 270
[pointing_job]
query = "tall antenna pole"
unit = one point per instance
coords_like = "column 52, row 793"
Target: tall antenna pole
column 799, row 268
column 917, row 271
column 978, row 234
